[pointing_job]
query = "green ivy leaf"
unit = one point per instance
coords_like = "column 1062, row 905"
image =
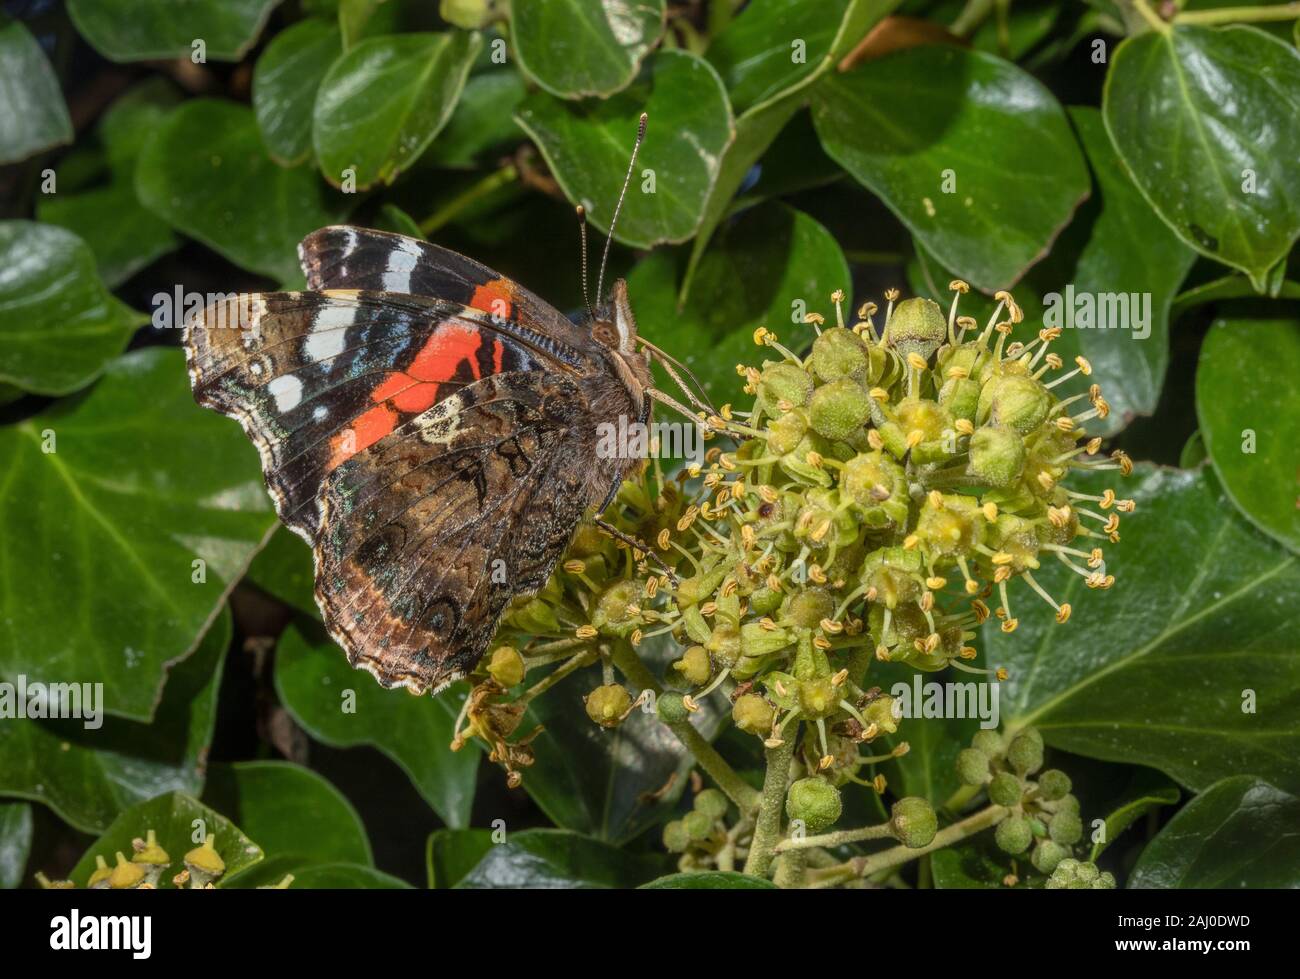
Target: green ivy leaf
column 123, row 234
column 33, row 115
column 711, row 880
column 321, row 876
column 90, row 776
column 1250, row 423
column 1202, row 601
column 1147, row 790
column 756, row 270
column 544, row 858
column 285, row 81
column 600, row 782
column 283, row 569
column 970, row 865
column 1126, row 253
column 773, row 45
column 180, row 822
column 381, row 104
column 107, row 527
column 899, row 122
column 450, row 854
column 587, row 146
column 15, row 842
column 311, row 677
column 760, row 124
column 59, row 324
column 291, row 811
column 576, row 48
column 206, row 173
column 1240, row 832
column 483, row 121
column 1191, row 110
column 140, row 30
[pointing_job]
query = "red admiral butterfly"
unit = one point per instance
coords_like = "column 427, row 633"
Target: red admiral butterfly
column 429, row 427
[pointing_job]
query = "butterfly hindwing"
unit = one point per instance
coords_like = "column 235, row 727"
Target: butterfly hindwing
column 430, row 532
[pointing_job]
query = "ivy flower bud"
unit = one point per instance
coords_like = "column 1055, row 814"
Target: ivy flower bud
column 972, row 767
column 807, row 608
column 506, row 666
column 1053, row 784
column 785, row 432
column 784, row 382
column 676, row 838
column 1066, row 828
column 1025, row 753
column 917, row 326
column 988, row 743
column 1016, row 400
column 840, row 353
column 839, row 409
column 752, row 714
column 913, row 822
column 125, row 875
column 815, row 802
column 1005, row 789
column 670, row 708
column 1047, row 855
column 607, row 705
column 712, row 803
column 610, row 614
column 997, row 455
column 1013, row 835
column 698, row 825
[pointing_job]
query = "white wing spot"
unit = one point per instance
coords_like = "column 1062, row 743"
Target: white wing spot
column 287, row 391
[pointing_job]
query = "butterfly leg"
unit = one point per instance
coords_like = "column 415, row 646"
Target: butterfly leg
column 636, row 545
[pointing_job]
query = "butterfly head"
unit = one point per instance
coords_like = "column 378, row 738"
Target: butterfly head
column 613, row 326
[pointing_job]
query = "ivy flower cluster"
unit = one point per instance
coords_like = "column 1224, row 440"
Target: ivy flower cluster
column 884, row 496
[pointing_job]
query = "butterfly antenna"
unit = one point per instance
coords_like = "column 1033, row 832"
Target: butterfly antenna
column 582, row 232
column 609, row 240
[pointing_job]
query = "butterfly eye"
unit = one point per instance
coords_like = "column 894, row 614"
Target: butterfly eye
column 605, row 332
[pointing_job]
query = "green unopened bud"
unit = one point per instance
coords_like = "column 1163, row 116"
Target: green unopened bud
column 839, row 409
column 1047, row 855
column 997, row 455
column 987, row 743
column 698, row 825
column 753, row 714
column 712, row 803
column 916, row 326
column 676, row 838
column 1087, row 871
column 1013, row 835
column 815, row 802
column 695, row 666
column 670, row 708
column 1025, row 753
column 1066, row 828
column 1016, row 400
column 914, row 822
column 470, row 15
column 1005, row 789
column 1053, row 784
column 972, row 766
column 608, row 704
column 839, row 353
column 784, row 382
column 506, row 666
